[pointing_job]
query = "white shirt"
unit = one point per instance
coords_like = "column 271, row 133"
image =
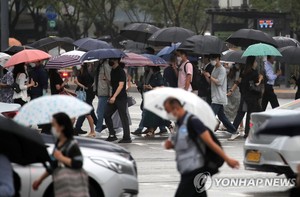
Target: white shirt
column 22, row 81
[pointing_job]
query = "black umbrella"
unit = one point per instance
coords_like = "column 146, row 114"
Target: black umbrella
column 247, row 37
column 234, row 56
column 46, row 44
column 103, row 54
column 88, row 44
column 20, row 144
column 16, row 49
column 283, row 125
column 290, row 55
column 285, row 41
column 199, row 45
column 139, row 32
column 167, row 36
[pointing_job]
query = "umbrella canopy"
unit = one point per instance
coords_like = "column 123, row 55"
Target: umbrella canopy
column 14, row 42
column 63, row 61
column 200, row 45
column 156, row 61
column 133, row 59
column 283, row 125
column 27, row 56
column 154, row 100
column 139, row 32
column 290, row 55
column 167, row 51
column 282, row 41
column 49, row 43
column 167, row 36
column 74, row 52
column 261, row 50
column 20, row 144
column 4, row 58
column 41, row 110
column 88, row 44
column 247, row 37
column 234, row 56
column 103, row 54
column 16, row 49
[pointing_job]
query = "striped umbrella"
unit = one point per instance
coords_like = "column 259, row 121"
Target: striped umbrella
column 133, row 59
column 63, row 61
column 157, row 61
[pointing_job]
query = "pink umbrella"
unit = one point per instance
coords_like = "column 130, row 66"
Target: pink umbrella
column 27, row 56
column 133, row 59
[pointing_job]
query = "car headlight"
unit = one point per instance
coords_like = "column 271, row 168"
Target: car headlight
column 115, row 166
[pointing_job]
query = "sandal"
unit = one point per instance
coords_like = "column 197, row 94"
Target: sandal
column 150, row 133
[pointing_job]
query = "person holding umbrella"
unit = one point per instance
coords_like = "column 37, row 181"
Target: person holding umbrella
column 118, row 101
column 67, row 167
column 204, row 86
column 269, row 95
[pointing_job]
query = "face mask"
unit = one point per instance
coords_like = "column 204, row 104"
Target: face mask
column 213, row 62
column 78, row 67
column 227, row 70
column 179, row 59
column 32, row 65
column 111, row 63
column 55, row 133
column 171, row 117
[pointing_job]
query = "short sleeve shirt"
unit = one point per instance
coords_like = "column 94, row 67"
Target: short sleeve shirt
column 118, row 75
column 194, row 123
column 55, row 79
column 185, row 68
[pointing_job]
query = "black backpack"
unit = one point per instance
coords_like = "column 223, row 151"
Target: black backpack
column 196, row 76
column 212, row 161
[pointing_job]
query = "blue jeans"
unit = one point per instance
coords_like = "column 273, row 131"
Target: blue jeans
column 102, row 103
column 219, row 111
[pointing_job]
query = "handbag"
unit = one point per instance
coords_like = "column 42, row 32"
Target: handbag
column 16, row 87
column 254, row 88
column 131, row 101
column 70, row 182
column 81, row 95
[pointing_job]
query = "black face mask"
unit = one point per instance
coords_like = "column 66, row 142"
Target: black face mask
column 111, row 63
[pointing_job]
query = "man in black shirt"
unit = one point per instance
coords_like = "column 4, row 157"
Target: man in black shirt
column 118, row 101
column 204, row 86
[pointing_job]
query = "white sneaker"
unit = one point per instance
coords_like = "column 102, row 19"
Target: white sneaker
column 242, row 133
column 234, row 136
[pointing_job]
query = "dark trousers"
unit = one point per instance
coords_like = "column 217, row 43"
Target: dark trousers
column 218, row 109
column 89, row 100
column 240, row 115
column 187, row 187
column 19, row 101
column 269, row 96
column 120, row 105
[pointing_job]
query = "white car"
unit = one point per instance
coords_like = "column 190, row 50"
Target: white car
column 111, row 170
column 271, row 153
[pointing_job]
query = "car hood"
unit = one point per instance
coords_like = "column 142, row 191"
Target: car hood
column 7, row 107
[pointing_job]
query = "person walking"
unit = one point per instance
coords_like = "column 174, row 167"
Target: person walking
column 84, row 83
column 39, row 75
column 118, row 101
column 204, row 90
column 170, row 73
column 21, row 82
column 185, row 71
column 102, row 90
column 269, row 95
column 6, row 91
column 190, row 161
column 57, row 84
column 66, row 170
column 218, row 81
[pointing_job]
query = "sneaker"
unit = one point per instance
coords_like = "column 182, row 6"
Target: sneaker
column 125, row 141
column 80, row 131
column 234, row 136
column 137, row 132
column 111, row 138
column 242, row 133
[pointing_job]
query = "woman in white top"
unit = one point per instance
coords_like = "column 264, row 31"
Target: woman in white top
column 21, row 79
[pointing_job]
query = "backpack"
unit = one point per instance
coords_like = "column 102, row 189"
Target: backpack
column 212, row 161
column 196, row 76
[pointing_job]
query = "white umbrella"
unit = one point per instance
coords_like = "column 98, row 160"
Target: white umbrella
column 4, row 58
column 41, row 110
column 154, row 100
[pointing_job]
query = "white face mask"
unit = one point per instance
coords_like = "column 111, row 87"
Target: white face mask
column 32, row 65
column 213, row 62
column 55, row 133
column 179, row 59
column 78, row 67
column 171, row 117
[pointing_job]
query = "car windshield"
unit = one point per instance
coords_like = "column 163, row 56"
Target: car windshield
column 294, row 105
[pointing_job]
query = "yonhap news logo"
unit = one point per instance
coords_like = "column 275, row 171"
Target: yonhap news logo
column 204, row 181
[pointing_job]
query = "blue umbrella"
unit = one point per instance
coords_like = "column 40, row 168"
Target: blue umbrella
column 88, row 44
column 103, row 54
column 158, row 61
column 166, row 52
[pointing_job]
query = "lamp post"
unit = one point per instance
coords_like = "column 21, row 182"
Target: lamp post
column 4, row 25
